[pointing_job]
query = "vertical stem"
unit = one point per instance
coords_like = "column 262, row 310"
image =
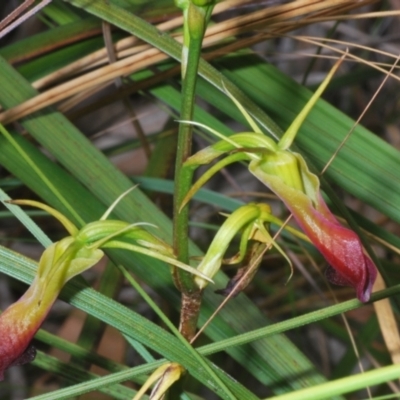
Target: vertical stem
column 195, row 22
column 190, row 309
column 183, row 180
column 183, row 177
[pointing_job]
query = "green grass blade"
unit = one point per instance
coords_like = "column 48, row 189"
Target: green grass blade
column 132, row 324
column 272, row 359
column 73, row 373
column 344, row 385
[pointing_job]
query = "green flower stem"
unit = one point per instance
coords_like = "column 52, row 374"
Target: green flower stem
column 183, row 177
column 191, row 299
column 183, row 180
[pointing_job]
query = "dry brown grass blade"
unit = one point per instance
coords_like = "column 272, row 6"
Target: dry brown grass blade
column 12, row 21
column 387, row 322
column 123, row 48
column 277, row 28
column 120, row 68
column 14, row 14
column 343, row 49
column 269, row 18
column 272, row 17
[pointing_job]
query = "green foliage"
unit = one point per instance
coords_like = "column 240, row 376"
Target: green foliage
column 65, row 169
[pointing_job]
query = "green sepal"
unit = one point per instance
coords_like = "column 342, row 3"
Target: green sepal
column 68, row 225
column 309, row 181
column 240, row 219
column 284, row 165
column 287, row 139
column 63, row 260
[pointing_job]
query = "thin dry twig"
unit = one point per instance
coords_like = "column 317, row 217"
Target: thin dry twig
column 347, row 137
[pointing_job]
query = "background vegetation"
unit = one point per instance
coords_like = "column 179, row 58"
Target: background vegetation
column 93, row 119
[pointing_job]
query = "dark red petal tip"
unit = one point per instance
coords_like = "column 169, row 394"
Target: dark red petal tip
column 363, row 286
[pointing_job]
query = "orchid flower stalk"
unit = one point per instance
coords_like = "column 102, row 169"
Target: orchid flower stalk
column 59, row 263
column 286, row 173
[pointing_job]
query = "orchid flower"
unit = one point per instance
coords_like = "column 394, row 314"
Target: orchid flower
column 59, row 263
column 287, row 175
column 251, row 221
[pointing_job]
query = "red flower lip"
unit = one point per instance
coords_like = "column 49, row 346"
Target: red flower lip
column 18, row 325
column 19, row 322
column 342, row 248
